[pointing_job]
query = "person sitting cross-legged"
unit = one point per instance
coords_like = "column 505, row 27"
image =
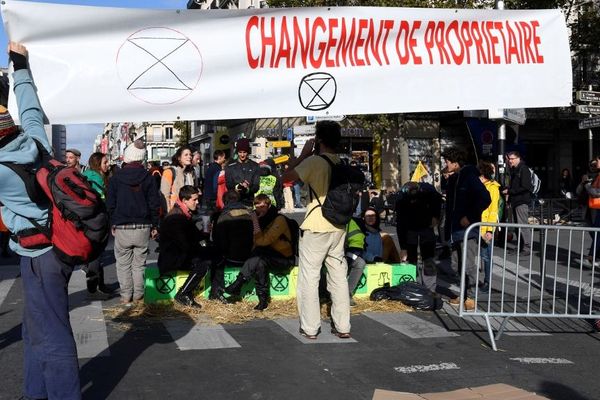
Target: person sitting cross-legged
column 180, row 245
column 272, row 250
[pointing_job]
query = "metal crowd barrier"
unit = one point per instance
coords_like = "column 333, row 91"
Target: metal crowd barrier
column 554, row 281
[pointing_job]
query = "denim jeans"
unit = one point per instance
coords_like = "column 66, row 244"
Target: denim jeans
column 51, row 369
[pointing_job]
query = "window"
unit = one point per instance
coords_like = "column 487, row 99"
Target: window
column 169, row 133
column 156, row 134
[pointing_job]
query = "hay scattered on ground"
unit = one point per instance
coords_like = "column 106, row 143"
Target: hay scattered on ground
column 141, row 315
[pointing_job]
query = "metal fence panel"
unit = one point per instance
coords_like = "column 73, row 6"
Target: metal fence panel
column 556, row 280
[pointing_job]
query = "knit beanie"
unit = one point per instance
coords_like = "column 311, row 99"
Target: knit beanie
column 136, row 151
column 243, row 145
column 7, row 125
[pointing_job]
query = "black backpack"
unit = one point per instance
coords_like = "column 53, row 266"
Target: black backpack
column 294, row 228
column 342, row 195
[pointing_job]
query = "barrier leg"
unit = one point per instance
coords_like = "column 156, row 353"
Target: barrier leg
column 502, row 327
column 490, row 332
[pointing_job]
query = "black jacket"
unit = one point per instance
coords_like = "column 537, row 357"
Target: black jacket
column 210, row 181
column 519, row 191
column 237, row 172
column 179, row 241
column 466, row 197
column 233, row 234
column 133, row 196
column 415, row 213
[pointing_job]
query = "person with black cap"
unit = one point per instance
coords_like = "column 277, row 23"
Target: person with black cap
column 243, row 175
column 51, row 369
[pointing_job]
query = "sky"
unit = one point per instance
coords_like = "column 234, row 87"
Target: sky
column 82, row 136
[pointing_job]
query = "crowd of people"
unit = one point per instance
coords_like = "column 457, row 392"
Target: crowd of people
column 231, row 214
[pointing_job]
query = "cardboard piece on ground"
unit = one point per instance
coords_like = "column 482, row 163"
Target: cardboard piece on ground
column 390, row 395
column 498, row 391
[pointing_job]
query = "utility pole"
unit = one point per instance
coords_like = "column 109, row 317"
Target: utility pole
column 590, row 135
column 501, row 126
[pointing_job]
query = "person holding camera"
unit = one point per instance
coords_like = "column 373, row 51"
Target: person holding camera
column 243, row 175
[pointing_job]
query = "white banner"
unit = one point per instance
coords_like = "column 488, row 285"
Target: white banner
column 94, row 64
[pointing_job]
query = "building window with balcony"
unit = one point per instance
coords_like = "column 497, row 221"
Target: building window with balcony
column 169, row 133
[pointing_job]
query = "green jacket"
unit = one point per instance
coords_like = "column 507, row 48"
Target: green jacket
column 95, row 179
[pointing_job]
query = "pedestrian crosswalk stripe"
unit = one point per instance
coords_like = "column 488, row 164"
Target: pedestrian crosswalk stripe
column 410, row 325
column 189, row 335
column 87, row 320
column 541, row 360
column 8, row 274
column 291, row 326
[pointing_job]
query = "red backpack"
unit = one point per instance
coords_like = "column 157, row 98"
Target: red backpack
column 78, row 224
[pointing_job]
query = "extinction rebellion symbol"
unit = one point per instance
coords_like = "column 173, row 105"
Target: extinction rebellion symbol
column 280, row 282
column 317, row 91
column 363, row 281
column 159, row 65
column 165, row 284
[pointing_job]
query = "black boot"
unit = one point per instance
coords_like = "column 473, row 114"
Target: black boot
column 262, row 290
column 185, row 295
column 235, row 289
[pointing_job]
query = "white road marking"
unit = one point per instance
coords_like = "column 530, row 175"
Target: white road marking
column 87, row 320
column 189, row 335
column 7, row 279
column 426, row 368
column 540, row 360
column 410, row 325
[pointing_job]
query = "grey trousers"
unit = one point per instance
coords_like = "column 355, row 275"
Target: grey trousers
column 521, row 214
column 471, row 263
column 131, row 251
column 316, row 248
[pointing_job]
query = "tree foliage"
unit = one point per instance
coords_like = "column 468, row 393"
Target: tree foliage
column 184, row 132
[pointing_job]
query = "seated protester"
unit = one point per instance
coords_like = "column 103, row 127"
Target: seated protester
column 272, row 250
column 354, row 249
column 180, row 245
column 380, row 246
column 233, row 237
column 270, row 184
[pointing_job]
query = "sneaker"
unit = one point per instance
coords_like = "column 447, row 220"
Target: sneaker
column 109, row 290
column 352, row 302
column 308, row 336
column 586, row 263
column 218, row 297
column 455, row 301
column 341, row 335
column 469, row 304
column 484, row 288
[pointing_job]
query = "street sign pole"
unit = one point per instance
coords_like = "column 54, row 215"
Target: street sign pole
column 501, row 126
column 590, row 136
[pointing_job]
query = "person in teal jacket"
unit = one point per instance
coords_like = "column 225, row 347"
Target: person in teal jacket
column 97, row 176
column 51, row 369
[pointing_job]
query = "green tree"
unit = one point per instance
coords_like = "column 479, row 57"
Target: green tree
column 184, row 128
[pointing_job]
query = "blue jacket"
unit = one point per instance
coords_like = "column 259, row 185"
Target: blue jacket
column 133, row 197
column 210, row 181
column 17, row 206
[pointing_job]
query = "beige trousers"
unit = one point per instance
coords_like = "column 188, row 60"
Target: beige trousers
column 316, row 248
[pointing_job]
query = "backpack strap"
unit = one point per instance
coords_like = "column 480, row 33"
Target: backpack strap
column 312, row 191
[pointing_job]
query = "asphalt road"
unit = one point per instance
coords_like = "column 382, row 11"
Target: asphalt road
column 411, row 352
